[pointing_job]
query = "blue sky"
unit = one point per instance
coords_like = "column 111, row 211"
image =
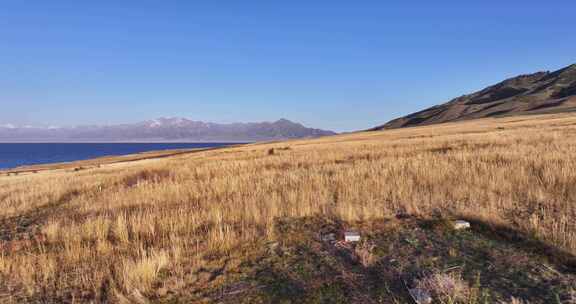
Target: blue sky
column 340, row 65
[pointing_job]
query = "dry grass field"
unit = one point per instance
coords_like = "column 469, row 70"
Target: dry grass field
column 175, row 228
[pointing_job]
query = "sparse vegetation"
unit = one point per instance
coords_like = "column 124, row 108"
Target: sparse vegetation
column 446, row 288
column 187, row 225
column 365, row 253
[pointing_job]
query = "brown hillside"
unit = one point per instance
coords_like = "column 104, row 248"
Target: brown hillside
column 538, row 93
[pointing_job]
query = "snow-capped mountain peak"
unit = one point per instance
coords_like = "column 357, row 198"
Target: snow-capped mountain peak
column 163, row 129
column 168, row 121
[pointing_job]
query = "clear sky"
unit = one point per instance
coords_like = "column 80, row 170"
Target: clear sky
column 340, row 65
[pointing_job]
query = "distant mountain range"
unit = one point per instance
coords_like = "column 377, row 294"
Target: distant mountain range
column 163, row 130
column 541, row 92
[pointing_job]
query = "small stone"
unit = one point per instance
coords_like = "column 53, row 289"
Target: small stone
column 330, row 237
column 460, row 224
column 351, row 236
column 420, row 296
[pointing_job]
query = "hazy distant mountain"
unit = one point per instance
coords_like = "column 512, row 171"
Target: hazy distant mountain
column 163, row 129
column 542, row 92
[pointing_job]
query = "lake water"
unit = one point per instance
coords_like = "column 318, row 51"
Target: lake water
column 20, row 154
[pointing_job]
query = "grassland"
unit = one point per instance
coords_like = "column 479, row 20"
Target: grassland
column 244, row 223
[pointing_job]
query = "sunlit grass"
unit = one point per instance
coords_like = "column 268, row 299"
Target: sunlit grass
column 106, row 233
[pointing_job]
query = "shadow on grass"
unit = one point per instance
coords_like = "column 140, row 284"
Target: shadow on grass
column 13, row 227
column 560, row 258
column 279, row 287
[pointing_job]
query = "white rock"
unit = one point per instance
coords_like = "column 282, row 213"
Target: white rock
column 351, row 236
column 460, row 224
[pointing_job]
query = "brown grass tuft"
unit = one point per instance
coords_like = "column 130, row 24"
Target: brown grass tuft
column 365, row 253
column 445, row 288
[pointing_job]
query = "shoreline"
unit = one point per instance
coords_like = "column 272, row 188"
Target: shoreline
column 106, row 160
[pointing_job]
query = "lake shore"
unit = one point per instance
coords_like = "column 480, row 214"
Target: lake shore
column 104, row 160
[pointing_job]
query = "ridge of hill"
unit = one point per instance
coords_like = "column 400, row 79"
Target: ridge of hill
column 537, row 93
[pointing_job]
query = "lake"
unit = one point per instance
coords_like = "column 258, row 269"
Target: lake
column 19, row 154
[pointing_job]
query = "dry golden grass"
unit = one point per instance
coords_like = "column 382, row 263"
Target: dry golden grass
column 119, row 232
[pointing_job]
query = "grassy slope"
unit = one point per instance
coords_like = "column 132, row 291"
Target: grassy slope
column 244, row 223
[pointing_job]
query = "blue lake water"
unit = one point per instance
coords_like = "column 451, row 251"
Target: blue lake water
column 20, row 154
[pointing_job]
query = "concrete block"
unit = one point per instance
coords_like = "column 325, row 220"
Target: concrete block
column 460, row 224
column 351, row 236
